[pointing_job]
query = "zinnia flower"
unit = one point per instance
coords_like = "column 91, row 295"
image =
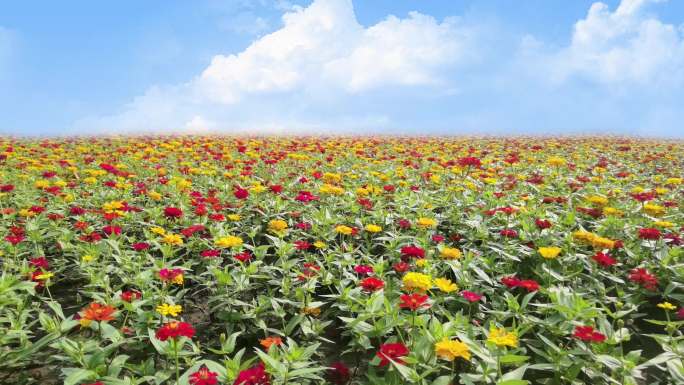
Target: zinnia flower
column 588, row 334
column 338, row 373
column 256, row 375
column 175, row 329
column 501, row 337
column 392, row 352
column 371, row 284
column 549, row 252
column 173, row 212
column 445, row 285
column 97, row 312
column 449, row 350
column 470, row 296
column 203, row 377
column 414, row 301
column 450, row 253
column 417, row 281
column 270, row 341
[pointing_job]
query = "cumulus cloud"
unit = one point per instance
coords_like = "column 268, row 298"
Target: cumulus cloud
column 321, row 52
column 626, row 45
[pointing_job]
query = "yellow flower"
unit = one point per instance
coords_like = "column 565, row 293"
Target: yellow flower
column 178, row 279
column 158, row 231
column 426, row 222
column 87, row 258
column 445, row 285
column 602, row 243
column 312, row 311
column 228, row 241
column 277, row 225
column 450, row 253
column 549, row 252
column 421, row 263
column 112, row 206
column 154, row 195
column 342, row 229
column 234, row 217
column 501, row 337
column 417, row 281
column 166, row 309
column 664, row 224
column 666, row 306
column 319, row 244
column 556, row 161
column 44, row 276
column 373, row 228
column 173, row 239
column 654, row 209
column 331, row 189
column 612, row 211
column 451, row 349
column 598, row 200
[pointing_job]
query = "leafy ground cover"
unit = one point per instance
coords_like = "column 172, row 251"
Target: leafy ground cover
column 434, row 261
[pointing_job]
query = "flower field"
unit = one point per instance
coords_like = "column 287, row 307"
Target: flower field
column 432, row 261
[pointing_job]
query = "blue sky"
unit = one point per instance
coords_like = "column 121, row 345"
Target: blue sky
column 333, row 66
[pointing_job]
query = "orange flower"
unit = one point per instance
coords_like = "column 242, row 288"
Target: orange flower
column 268, row 341
column 97, row 312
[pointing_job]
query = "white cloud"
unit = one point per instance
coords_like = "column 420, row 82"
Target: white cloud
column 624, row 46
column 324, row 44
column 321, row 52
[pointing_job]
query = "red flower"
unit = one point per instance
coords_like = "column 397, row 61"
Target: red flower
column 175, row 329
column 210, row 253
column 644, row 196
column 604, row 259
column 680, row 313
column 437, row 238
column 542, row 223
column 39, row 262
column 412, row 252
column 75, row 210
column 508, row 233
column 404, row 224
column 140, row 246
column 511, row 282
column 169, row 274
column 414, row 301
column 130, row 295
column 642, row 277
column 470, row 296
column 649, row 234
column 306, row 197
column 363, row 269
column 371, row 284
column 14, row 239
column 276, row 188
column 393, row 352
column 203, row 377
column 588, row 334
column 245, row 256
column 401, row 267
column 111, row 230
column 302, row 245
column 529, row 285
column 256, row 375
column 240, row 193
column 469, row 161
column 173, row 212
column 338, row 373
column 303, row 226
